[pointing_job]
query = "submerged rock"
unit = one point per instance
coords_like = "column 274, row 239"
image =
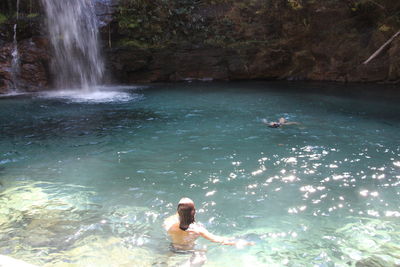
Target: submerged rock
column 63, row 224
column 370, row 242
column 373, row 262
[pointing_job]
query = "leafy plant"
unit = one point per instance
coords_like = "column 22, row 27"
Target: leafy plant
column 32, row 15
column 3, row 18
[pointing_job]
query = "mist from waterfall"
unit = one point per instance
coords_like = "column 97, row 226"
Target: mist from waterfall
column 15, row 56
column 73, row 32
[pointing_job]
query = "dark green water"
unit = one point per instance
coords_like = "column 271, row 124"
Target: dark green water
column 87, row 179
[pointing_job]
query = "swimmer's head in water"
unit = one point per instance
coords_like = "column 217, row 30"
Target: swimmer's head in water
column 185, row 200
column 274, row 125
column 186, row 212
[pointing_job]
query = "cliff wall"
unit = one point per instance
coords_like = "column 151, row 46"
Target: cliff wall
column 174, row 40
column 253, row 39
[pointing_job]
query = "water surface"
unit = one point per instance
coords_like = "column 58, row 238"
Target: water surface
column 86, row 180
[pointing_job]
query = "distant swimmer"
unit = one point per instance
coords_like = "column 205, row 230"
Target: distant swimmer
column 279, row 123
column 184, row 230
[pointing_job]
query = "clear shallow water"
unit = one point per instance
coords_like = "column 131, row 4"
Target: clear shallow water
column 88, row 180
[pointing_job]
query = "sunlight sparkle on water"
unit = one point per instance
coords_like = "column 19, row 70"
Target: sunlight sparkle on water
column 105, row 169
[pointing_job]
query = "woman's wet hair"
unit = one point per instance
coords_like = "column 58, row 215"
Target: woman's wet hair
column 186, row 213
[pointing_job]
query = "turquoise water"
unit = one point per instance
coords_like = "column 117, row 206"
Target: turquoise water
column 86, row 180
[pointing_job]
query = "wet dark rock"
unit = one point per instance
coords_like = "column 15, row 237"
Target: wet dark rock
column 34, row 65
column 5, row 67
column 132, row 65
column 263, row 41
column 105, row 10
column 394, row 62
column 33, row 47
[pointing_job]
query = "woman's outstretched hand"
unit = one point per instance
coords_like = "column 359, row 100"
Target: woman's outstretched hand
column 228, row 242
column 243, row 243
column 238, row 243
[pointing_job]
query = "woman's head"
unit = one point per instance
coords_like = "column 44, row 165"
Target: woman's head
column 186, row 212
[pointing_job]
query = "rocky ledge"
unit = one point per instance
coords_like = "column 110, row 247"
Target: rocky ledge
column 179, row 40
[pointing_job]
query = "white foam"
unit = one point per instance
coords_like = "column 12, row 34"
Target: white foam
column 100, row 94
column 11, row 94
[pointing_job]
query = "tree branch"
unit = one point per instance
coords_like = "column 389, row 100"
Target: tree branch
column 377, row 52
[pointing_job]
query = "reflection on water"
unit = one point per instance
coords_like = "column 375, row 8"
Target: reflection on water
column 90, row 184
column 46, row 225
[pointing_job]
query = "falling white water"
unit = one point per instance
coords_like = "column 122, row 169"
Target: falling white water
column 15, row 56
column 73, row 30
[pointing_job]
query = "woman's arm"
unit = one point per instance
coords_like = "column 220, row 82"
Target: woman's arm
column 223, row 240
column 214, row 238
column 291, row 123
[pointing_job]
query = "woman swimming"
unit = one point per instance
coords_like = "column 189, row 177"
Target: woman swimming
column 184, row 230
column 279, row 123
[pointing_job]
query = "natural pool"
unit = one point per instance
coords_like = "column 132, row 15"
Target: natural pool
column 86, row 180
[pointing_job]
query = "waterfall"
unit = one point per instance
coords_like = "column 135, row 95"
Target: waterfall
column 73, row 31
column 15, row 55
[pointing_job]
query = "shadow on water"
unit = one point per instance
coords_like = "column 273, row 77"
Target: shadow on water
column 376, row 92
column 99, row 122
column 375, row 102
column 381, row 111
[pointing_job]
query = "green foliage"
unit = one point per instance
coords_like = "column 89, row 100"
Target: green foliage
column 231, row 23
column 295, row 4
column 129, row 43
column 161, row 21
column 32, row 15
column 164, row 22
column 3, row 18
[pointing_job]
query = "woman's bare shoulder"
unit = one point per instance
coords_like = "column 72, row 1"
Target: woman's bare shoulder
column 197, row 228
column 170, row 221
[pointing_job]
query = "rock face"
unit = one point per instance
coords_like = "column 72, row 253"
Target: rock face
column 33, row 44
column 177, row 40
column 34, row 57
column 227, row 40
column 33, row 47
column 5, row 68
column 206, row 63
